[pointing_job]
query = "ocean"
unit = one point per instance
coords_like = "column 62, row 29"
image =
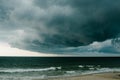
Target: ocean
column 31, row 68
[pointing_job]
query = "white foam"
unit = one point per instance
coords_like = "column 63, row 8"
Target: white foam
column 101, row 70
column 44, row 76
column 22, row 78
column 70, row 72
column 59, row 67
column 91, row 66
column 81, row 66
column 28, row 70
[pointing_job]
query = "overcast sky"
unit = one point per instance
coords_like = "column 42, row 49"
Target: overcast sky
column 46, row 26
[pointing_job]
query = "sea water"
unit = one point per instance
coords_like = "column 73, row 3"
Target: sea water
column 31, row 68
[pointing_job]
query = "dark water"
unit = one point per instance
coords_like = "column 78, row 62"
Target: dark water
column 29, row 68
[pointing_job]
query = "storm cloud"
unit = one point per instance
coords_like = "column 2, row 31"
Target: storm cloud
column 42, row 25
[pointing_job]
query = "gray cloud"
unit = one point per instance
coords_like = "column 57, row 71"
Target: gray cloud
column 39, row 24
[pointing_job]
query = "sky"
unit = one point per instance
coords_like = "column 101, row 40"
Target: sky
column 7, row 50
column 59, row 27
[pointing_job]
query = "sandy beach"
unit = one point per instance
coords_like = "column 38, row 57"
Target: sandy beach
column 100, row 76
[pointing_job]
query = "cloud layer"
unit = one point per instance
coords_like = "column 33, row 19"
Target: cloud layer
column 42, row 25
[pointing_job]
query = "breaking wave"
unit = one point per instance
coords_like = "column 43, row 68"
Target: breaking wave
column 52, row 72
column 28, row 70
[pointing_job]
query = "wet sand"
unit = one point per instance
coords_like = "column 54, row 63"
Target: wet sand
column 100, row 76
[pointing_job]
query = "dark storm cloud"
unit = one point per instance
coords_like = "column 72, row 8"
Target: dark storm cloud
column 89, row 19
column 39, row 24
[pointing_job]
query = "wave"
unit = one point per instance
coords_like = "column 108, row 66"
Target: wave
column 28, row 70
column 22, row 78
column 92, row 70
column 70, row 72
column 67, row 73
column 101, row 70
column 20, row 74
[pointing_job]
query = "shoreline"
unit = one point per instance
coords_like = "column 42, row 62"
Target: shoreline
column 95, row 76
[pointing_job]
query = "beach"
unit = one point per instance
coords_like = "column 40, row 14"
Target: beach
column 98, row 76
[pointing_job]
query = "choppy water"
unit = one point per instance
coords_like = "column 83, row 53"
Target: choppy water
column 29, row 68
